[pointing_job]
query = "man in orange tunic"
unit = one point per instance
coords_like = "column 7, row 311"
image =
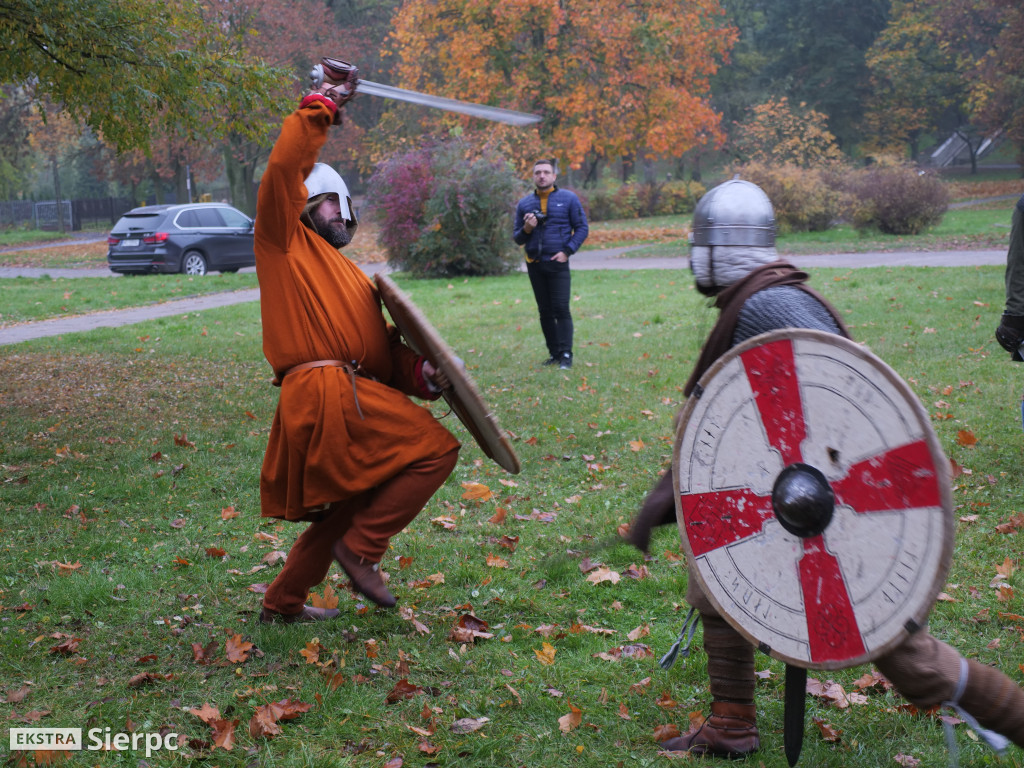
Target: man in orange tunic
column 348, row 452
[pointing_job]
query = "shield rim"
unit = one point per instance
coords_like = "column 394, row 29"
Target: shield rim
column 464, row 398
column 942, row 468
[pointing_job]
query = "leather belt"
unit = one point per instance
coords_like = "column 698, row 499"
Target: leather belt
column 353, row 369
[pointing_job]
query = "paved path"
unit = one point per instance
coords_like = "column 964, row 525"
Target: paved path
column 609, row 258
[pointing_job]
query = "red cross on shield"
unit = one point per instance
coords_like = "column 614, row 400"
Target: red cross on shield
column 813, row 498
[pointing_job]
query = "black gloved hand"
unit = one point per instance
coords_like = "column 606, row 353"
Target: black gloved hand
column 1010, row 335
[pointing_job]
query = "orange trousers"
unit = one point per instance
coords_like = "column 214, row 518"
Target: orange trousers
column 365, row 522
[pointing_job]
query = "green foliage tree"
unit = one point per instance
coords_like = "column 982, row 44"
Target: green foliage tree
column 115, row 65
column 444, row 210
column 810, row 51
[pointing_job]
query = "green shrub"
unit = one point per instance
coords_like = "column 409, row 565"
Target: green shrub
column 632, row 201
column 805, row 199
column 443, row 212
column 896, row 199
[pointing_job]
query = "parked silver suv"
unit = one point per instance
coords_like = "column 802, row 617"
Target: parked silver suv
column 193, row 239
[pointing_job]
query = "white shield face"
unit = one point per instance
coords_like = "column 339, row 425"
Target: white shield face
column 837, row 571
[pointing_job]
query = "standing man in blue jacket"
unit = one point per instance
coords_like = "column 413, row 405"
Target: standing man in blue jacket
column 551, row 225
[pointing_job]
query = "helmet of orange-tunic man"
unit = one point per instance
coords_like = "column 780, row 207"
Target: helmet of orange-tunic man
column 349, row 451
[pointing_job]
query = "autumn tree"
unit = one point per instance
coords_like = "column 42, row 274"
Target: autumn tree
column 776, row 132
column 116, row 64
column 926, row 67
column 1000, row 76
column 609, row 79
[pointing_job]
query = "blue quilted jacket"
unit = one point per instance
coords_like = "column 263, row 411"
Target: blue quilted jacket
column 565, row 228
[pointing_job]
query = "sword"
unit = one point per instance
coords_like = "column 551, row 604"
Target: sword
column 338, row 72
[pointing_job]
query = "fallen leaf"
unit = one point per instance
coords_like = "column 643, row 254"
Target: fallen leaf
column 228, row 513
column 204, row 654
column 236, row 649
column 263, row 723
column 498, row 517
column 469, row 724
column 546, row 654
column 207, row 713
column 18, row 696
column 642, row 631
column 665, row 731
column 476, row 491
column 403, row 690
column 572, row 720
column 966, row 437
column 329, row 599
column 907, row 761
column 224, row 733
column 828, row 733
column 603, row 574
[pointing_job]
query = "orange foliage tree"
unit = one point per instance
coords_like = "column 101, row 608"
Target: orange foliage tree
column 610, row 80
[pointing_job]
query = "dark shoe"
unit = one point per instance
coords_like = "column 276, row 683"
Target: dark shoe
column 730, row 731
column 565, row 362
column 365, row 576
column 306, row 615
column 551, row 361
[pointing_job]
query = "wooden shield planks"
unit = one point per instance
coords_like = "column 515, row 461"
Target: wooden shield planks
column 463, row 396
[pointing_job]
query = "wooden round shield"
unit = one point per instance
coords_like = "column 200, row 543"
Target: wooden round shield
column 813, row 498
column 463, row 396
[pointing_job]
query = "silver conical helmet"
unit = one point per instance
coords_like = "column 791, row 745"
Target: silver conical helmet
column 736, row 212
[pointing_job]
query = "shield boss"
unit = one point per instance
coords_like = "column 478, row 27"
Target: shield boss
column 813, row 498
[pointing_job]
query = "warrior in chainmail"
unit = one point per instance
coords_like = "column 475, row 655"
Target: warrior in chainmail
column 733, row 259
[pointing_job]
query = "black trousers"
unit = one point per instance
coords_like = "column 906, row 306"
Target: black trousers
column 552, row 288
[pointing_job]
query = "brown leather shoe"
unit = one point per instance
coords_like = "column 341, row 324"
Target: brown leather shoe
column 365, row 576
column 307, row 614
column 730, row 731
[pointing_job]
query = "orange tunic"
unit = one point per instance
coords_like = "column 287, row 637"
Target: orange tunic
column 318, row 305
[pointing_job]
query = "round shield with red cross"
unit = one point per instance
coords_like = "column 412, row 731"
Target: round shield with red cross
column 813, row 498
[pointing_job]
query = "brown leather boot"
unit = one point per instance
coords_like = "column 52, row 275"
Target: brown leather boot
column 995, row 701
column 730, row 731
column 365, row 576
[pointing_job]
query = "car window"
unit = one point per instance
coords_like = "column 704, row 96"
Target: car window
column 209, row 217
column 187, row 219
column 145, row 222
column 234, row 218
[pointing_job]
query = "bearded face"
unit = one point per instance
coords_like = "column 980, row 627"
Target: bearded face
column 331, row 228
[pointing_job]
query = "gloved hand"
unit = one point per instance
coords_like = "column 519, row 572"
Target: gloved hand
column 1010, row 335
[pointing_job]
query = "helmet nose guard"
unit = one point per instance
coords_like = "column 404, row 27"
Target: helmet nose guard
column 736, row 212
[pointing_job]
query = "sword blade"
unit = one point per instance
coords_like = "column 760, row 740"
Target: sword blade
column 496, row 114
column 793, row 712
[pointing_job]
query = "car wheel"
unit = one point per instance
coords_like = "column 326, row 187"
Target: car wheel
column 193, row 263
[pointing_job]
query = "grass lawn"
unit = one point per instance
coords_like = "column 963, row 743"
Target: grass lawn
column 134, row 556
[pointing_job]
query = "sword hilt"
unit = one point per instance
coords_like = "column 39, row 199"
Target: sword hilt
column 336, row 73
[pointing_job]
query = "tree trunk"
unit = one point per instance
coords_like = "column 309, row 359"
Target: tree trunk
column 181, row 182
column 56, row 193
column 241, row 182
